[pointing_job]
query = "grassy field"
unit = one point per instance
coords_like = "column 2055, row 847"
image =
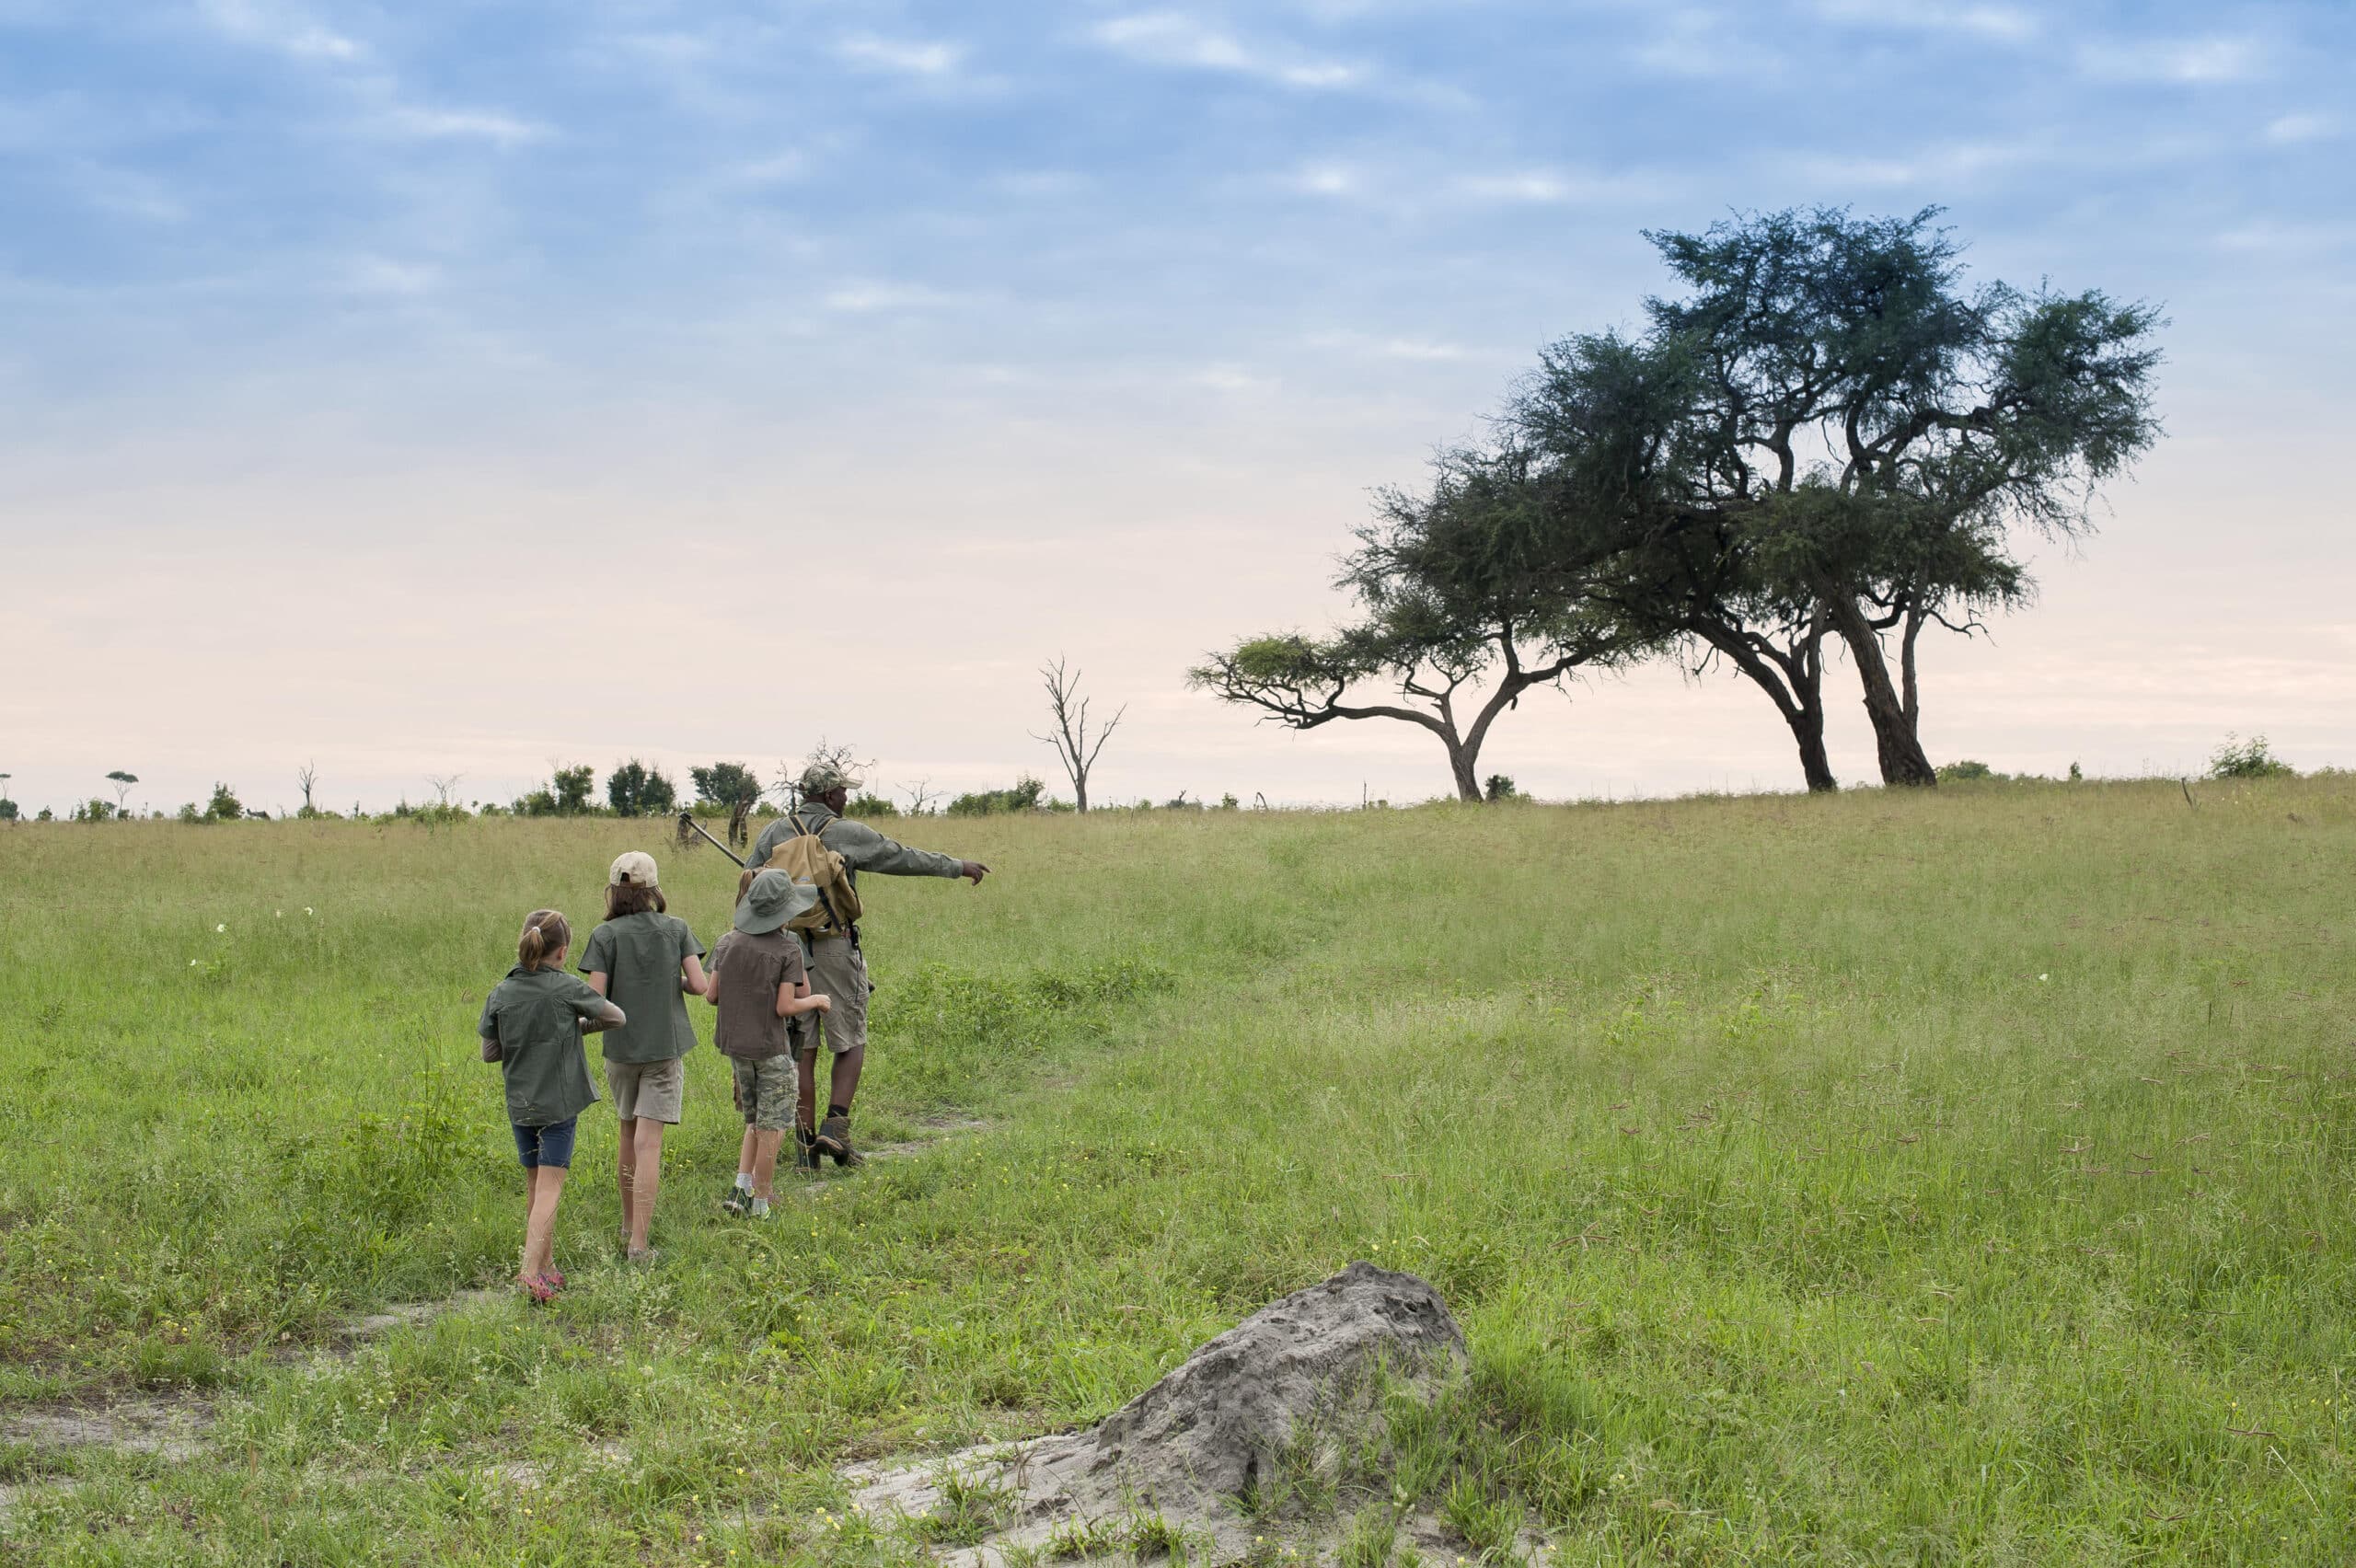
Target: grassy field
column 1878, row 1179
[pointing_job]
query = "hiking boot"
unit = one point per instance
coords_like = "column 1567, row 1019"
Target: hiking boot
column 738, row 1201
column 805, row 1151
column 834, row 1140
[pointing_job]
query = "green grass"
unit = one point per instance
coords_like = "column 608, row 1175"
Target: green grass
column 1881, row 1179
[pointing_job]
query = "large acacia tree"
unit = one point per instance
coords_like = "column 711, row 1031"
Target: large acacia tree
column 1457, row 621
column 1855, row 439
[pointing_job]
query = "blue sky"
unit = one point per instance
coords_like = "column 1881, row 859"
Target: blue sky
column 433, row 390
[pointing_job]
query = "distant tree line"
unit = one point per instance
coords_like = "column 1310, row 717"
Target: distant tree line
column 1822, row 437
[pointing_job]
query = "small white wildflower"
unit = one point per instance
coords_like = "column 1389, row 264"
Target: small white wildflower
column 307, row 909
column 278, row 914
column 2043, row 978
column 221, row 927
column 191, row 964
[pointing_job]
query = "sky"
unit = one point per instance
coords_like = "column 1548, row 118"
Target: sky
column 437, row 390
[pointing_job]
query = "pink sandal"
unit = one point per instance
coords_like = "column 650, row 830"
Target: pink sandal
column 540, row 1291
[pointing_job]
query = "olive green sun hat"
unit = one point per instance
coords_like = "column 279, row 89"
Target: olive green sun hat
column 772, row 900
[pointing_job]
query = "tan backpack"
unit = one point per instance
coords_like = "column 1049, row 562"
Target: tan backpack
column 805, row 858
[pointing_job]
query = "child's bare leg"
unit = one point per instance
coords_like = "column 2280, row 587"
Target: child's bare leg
column 764, row 1162
column 650, row 1177
column 539, row 1221
column 626, row 1172
column 745, row 1153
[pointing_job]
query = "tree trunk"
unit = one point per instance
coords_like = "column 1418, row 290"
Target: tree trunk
column 1901, row 754
column 1463, row 763
column 1794, row 682
column 1080, row 794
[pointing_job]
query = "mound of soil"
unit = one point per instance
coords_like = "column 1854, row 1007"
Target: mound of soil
column 1213, row 1429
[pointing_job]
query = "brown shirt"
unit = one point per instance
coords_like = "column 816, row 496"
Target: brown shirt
column 748, row 972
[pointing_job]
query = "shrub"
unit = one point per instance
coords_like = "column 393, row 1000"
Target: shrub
column 7, row 809
column 572, row 786
column 187, row 812
column 725, row 784
column 1967, row 769
column 94, row 810
column 2247, row 759
column 223, row 806
column 1500, row 787
column 871, row 806
column 538, row 803
column 635, row 789
column 1025, row 796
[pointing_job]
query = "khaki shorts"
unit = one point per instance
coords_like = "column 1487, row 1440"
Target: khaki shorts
column 648, row 1090
column 765, row 1091
column 837, row 970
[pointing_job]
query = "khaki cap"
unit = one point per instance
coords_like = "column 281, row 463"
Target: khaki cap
column 821, row 776
column 635, row 868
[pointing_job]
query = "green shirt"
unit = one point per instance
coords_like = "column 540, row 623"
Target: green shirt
column 641, row 955
column 535, row 1017
column 861, row 848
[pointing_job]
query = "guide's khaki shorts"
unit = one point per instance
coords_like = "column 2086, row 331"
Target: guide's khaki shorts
column 837, row 970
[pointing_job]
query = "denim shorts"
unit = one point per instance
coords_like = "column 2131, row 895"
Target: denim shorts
column 551, row 1145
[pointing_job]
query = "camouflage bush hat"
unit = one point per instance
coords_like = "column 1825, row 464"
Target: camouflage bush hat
column 772, row 900
column 821, row 776
column 634, row 868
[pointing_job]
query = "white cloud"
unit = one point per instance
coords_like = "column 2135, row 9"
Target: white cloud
column 1529, row 186
column 1234, row 378
column 1175, row 38
column 1702, row 44
column 1953, row 163
column 2292, row 129
column 383, row 277
column 779, row 168
column 2005, row 24
column 868, row 298
column 915, row 57
column 1421, row 351
column 2191, row 60
column 282, row 28
column 127, row 194
column 1327, row 179
column 454, row 124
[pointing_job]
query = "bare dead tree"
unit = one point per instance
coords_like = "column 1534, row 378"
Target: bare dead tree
column 920, row 796
column 1069, row 711
column 441, row 787
column 788, row 786
column 307, row 776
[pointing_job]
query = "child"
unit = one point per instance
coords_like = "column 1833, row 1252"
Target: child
column 646, row 959
column 532, row 1026
column 758, row 982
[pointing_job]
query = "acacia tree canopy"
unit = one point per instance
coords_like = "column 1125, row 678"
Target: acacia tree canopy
column 1456, row 622
column 1827, row 433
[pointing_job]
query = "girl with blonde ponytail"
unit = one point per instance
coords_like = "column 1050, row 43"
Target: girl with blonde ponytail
column 532, row 1026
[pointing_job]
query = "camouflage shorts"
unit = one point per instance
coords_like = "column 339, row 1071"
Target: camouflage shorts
column 765, row 1091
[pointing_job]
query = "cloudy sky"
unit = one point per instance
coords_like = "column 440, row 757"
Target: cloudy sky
column 425, row 390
